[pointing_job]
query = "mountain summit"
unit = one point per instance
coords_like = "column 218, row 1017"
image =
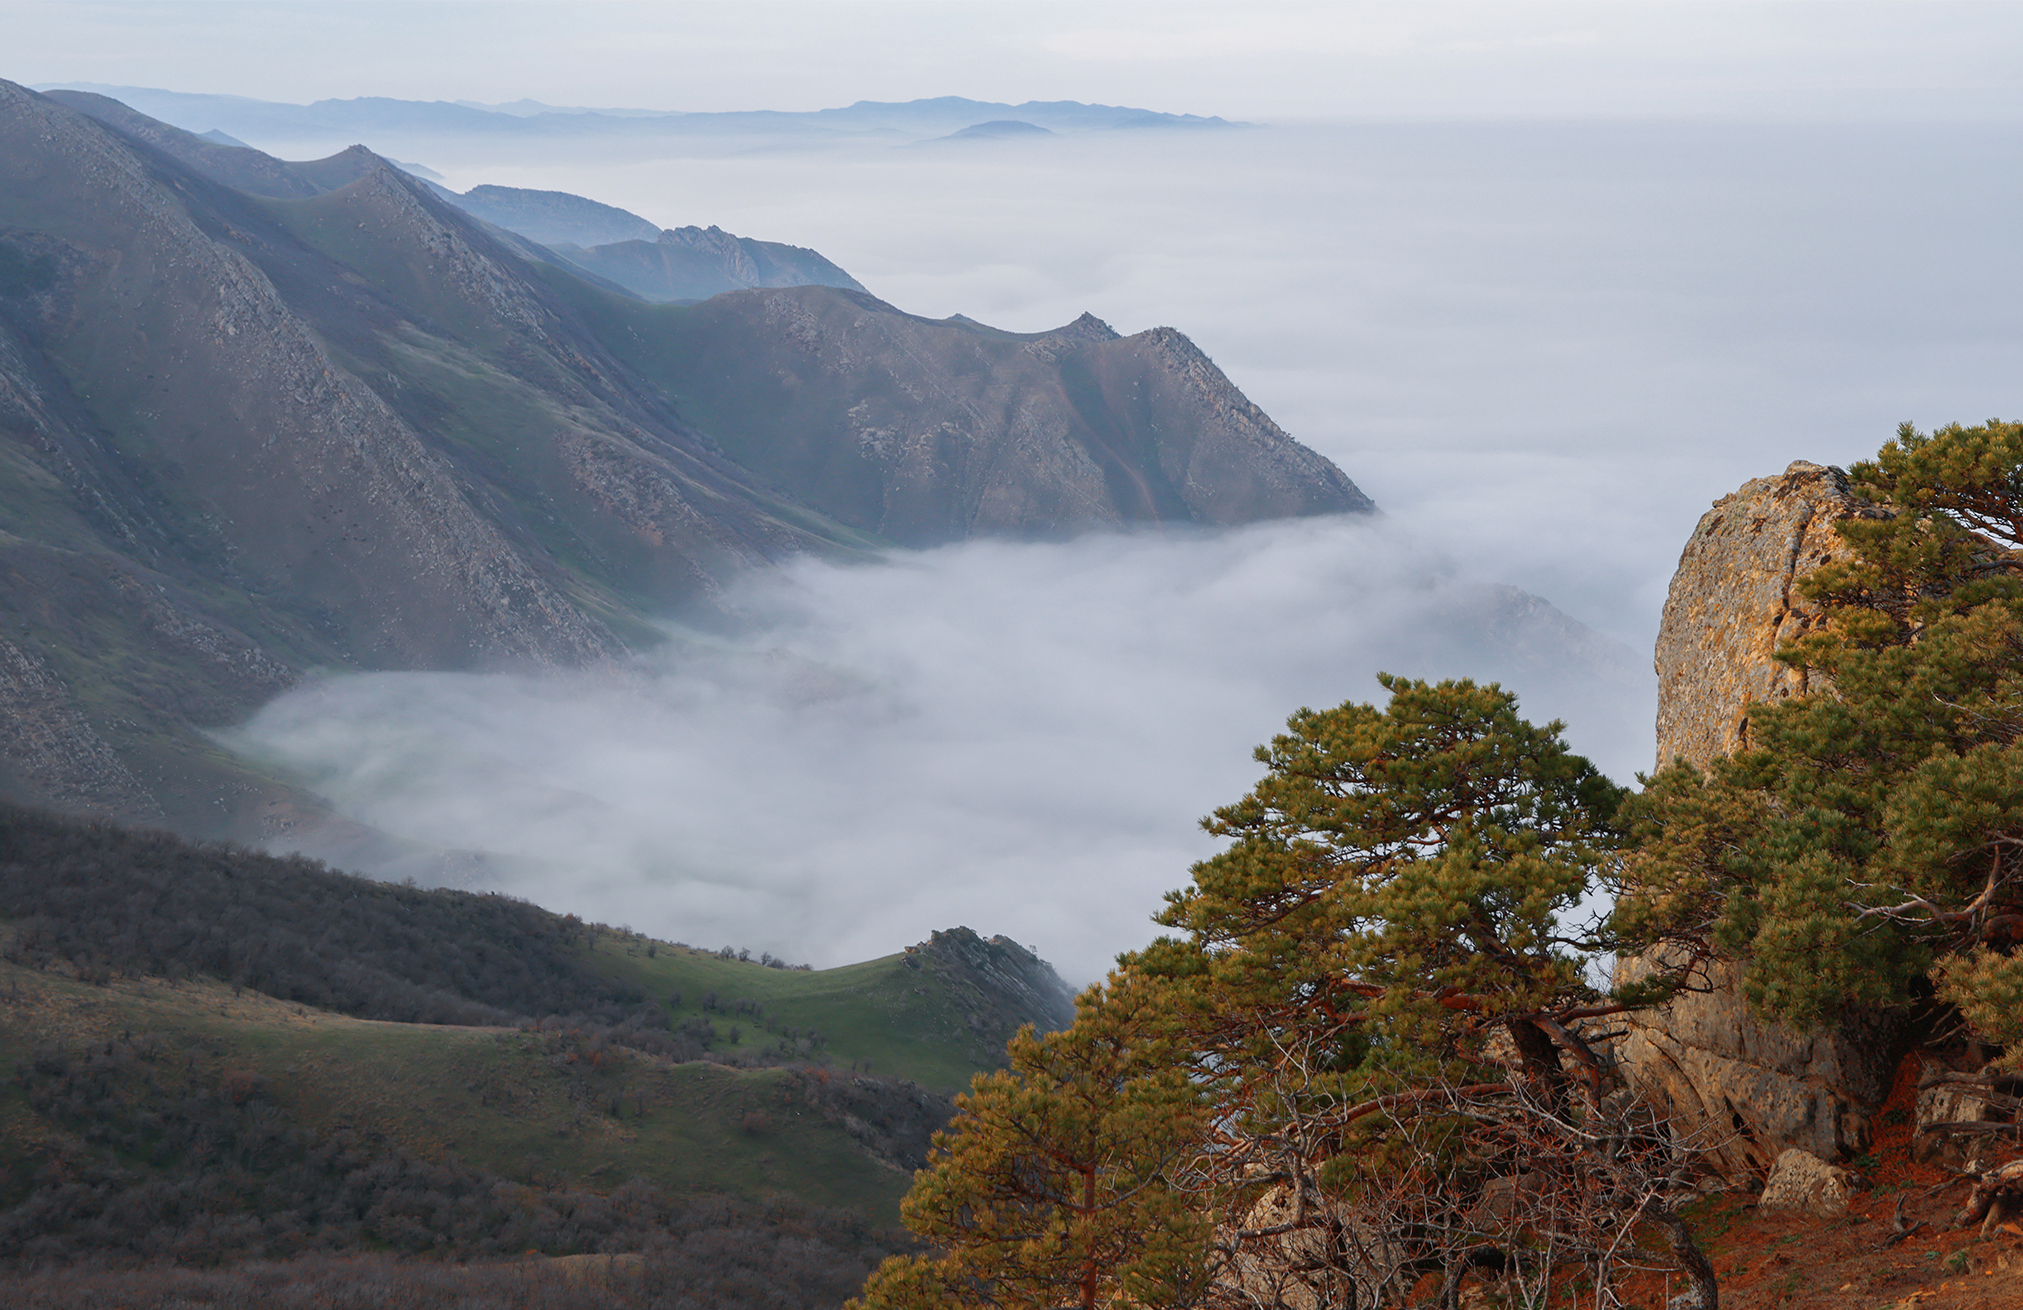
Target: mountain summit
column 261, row 417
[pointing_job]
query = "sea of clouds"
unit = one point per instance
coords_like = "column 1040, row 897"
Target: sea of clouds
column 1019, row 738
column 1543, row 348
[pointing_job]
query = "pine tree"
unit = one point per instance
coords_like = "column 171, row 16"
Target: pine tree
column 1061, row 1183
column 1368, row 1022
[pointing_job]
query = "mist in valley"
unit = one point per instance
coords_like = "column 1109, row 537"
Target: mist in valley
column 1015, row 737
column 1542, row 347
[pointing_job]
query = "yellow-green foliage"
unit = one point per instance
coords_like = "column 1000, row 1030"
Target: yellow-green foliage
column 1390, row 899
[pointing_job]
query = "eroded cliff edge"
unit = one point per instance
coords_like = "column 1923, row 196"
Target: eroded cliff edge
column 1742, row 1089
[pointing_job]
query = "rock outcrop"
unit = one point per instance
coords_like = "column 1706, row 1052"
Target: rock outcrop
column 1734, row 600
column 1802, row 1183
column 1743, row 1090
column 997, row 985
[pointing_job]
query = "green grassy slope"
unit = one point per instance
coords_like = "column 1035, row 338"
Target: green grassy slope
column 541, row 1109
column 903, row 1016
column 143, row 978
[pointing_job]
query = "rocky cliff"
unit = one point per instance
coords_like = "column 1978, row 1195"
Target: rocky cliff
column 924, row 431
column 1734, row 600
column 1744, row 1089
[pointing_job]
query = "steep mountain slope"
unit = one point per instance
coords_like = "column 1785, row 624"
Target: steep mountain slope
column 960, row 430
column 194, row 388
column 259, row 418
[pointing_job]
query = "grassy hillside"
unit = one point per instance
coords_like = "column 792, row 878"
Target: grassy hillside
column 219, row 1054
column 541, row 1108
column 907, row 1016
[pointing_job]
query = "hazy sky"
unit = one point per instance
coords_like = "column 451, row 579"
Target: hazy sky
column 1255, row 59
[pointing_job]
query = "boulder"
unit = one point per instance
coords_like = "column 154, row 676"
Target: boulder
column 1313, row 1256
column 1960, row 1110
column 1741, row 1090
column 1802, row 1183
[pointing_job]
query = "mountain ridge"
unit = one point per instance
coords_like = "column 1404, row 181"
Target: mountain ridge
column 250, row 119
column 335, row 422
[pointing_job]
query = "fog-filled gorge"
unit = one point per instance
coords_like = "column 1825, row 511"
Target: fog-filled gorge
column 1542, row 348
column 1018, row 738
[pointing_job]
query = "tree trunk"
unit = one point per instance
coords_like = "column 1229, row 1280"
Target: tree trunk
column 1089, row 1270
column 1692, row 1260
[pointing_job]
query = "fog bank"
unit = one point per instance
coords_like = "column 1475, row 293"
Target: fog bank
column 1019, row 738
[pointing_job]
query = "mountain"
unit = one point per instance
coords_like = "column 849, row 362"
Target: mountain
column 966, row 430
column 260, row 418
column 552, row 217
column 998, row 129
column 625, row 250
column 384, row 120
column 693, row 263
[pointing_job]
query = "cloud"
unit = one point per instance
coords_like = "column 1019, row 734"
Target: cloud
column 1016, row 737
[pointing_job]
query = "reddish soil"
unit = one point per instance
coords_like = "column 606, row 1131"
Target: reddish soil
column 1861, row 1262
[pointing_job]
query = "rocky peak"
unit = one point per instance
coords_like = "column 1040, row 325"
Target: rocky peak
column 1008, row 983
column 1086, row 328
column 1745, row 1090
column 1734, row 600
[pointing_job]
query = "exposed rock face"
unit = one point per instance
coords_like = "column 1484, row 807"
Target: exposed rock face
column 1299, row 1265
column 1959, row 1109
column 1734, row 601
column 50, row 751
column 1802, row 1183
column 1743, row 1090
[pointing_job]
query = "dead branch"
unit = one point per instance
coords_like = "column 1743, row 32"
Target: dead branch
column 2004, row 1183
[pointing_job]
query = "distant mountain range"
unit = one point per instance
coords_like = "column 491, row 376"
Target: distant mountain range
column 369, row 117
column 259, row 418
column 688, row 263
column 682, row 263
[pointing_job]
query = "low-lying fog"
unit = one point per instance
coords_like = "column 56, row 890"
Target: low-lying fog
column 1014, row 737
column 1542, row 348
